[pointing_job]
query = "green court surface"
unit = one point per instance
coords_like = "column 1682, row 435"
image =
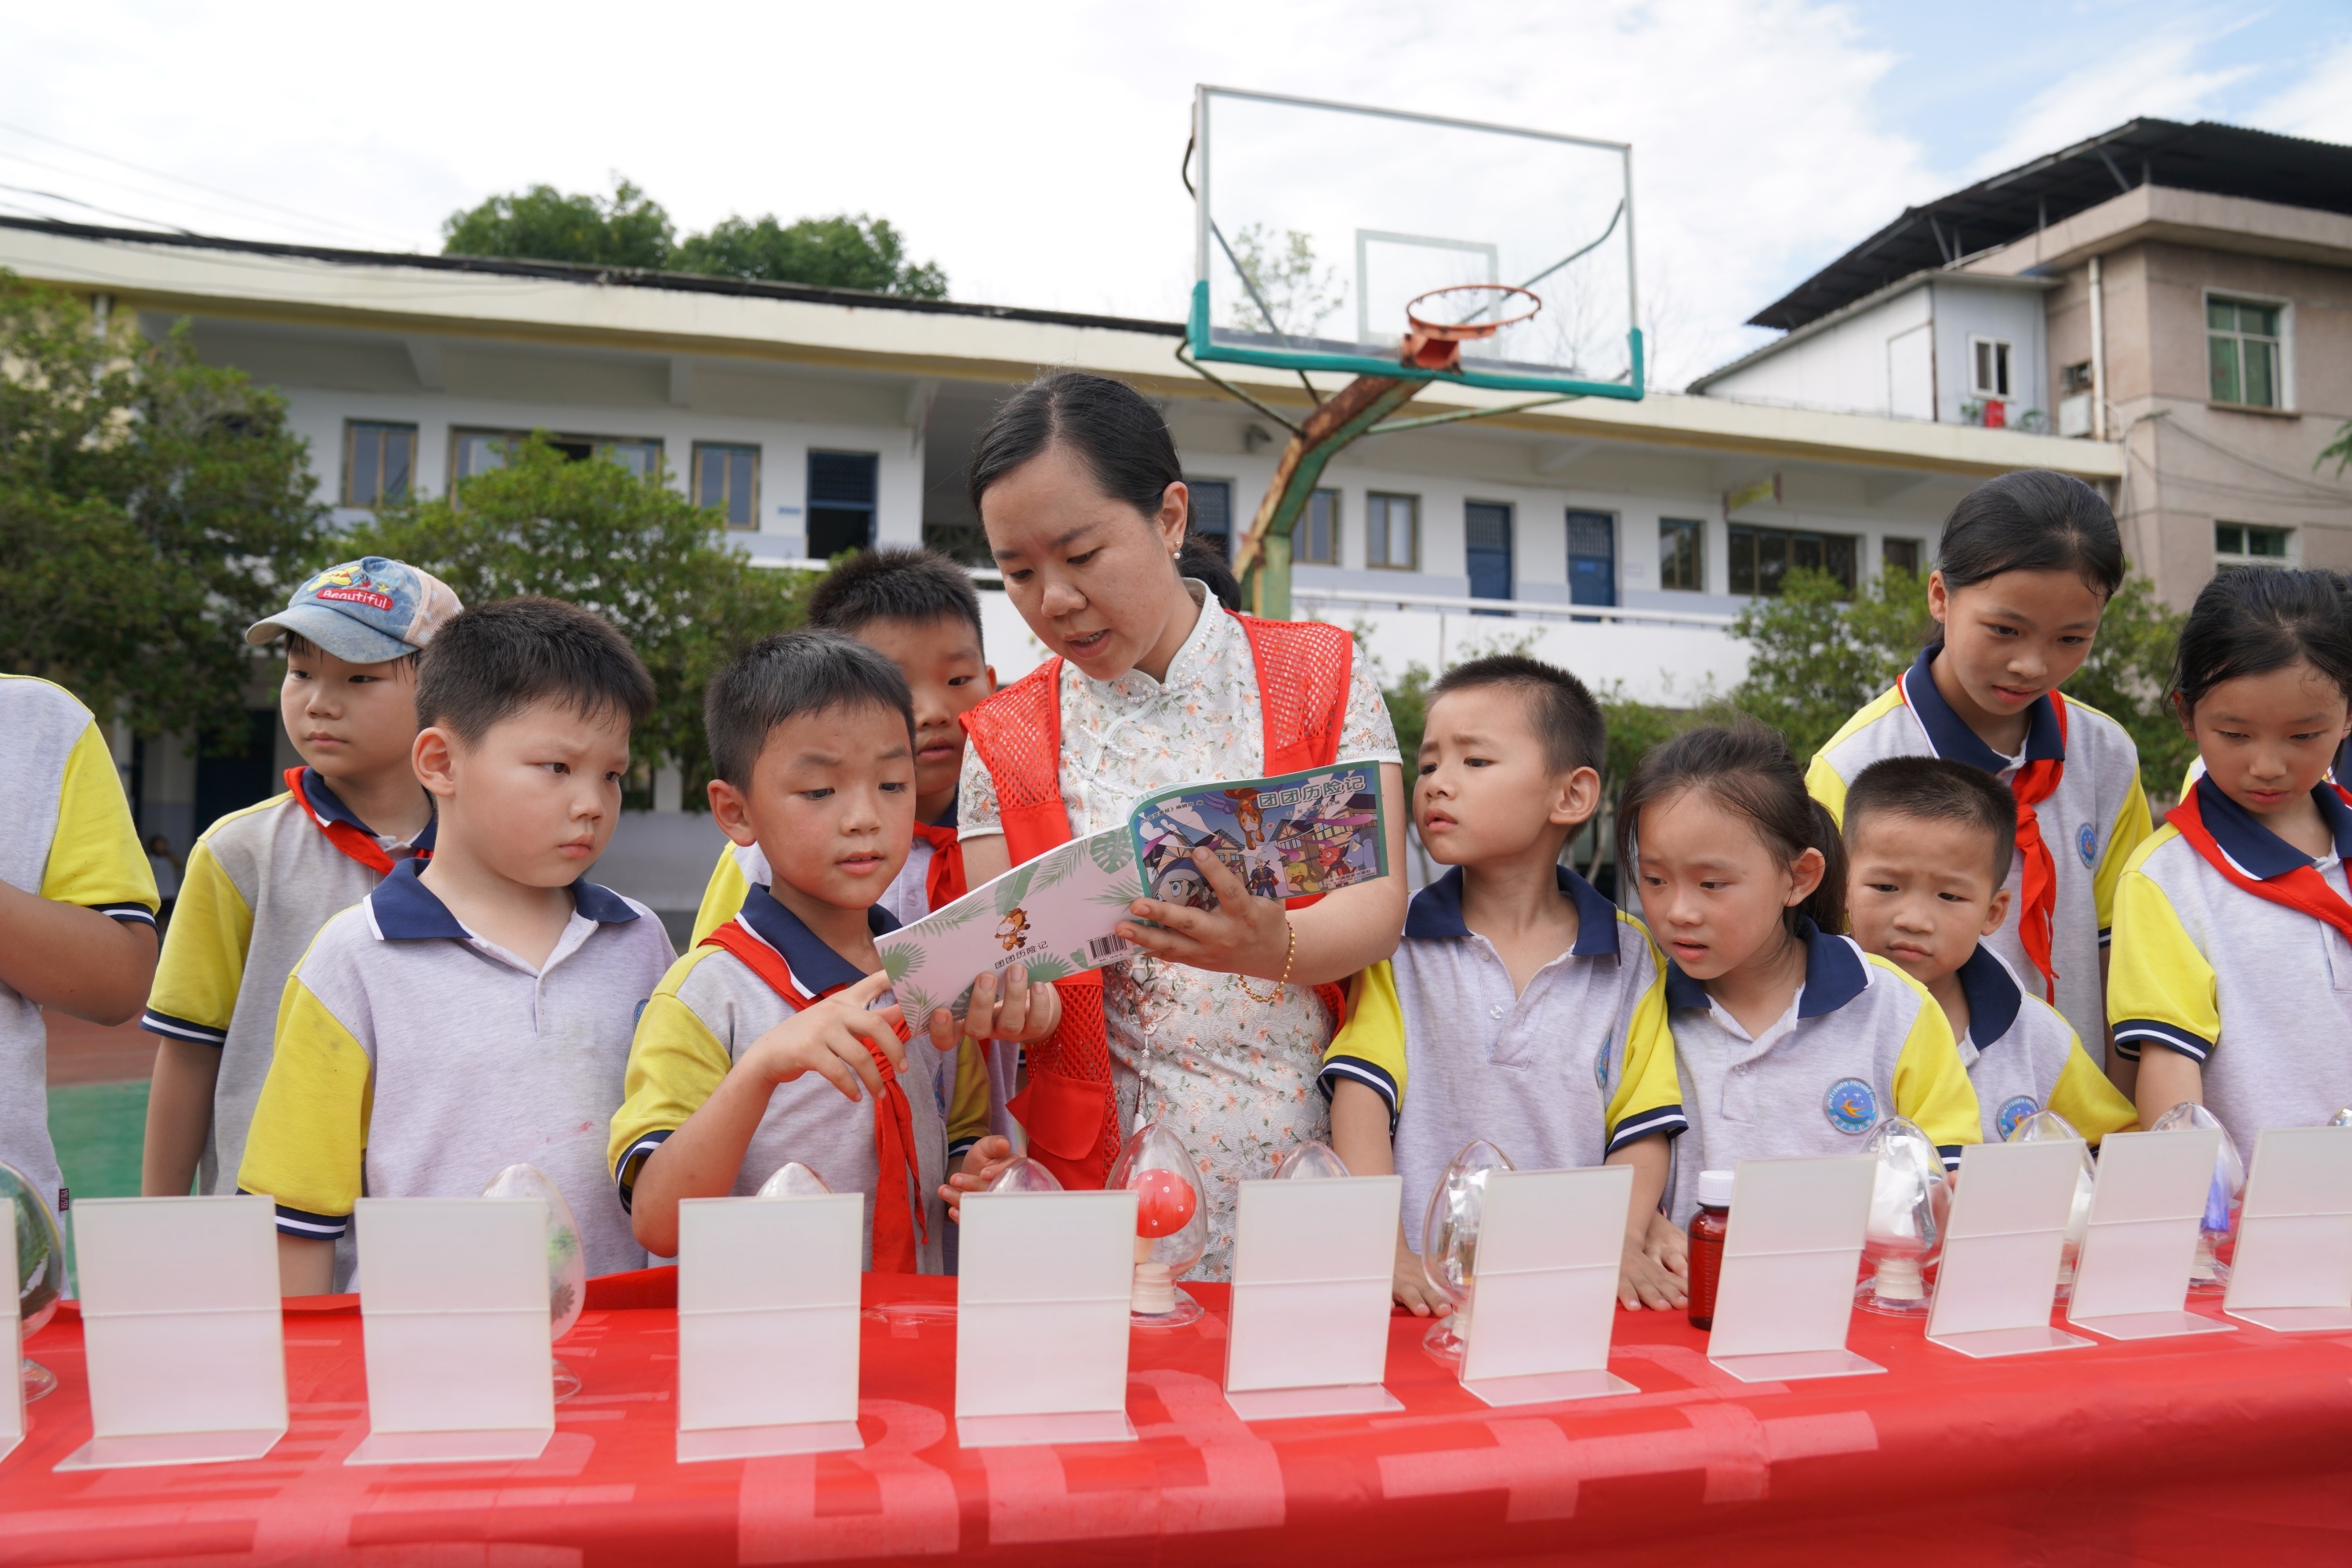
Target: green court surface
column 97, row 1128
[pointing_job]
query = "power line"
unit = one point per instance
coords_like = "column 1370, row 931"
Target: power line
column 145, row 191
column 110, row 212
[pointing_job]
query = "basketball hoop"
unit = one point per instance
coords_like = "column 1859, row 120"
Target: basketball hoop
column 1437, row 345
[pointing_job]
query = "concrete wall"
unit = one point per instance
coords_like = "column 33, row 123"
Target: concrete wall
column 1856, row 365
column 1965, row 310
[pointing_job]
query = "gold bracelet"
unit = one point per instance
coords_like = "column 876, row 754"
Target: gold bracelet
column 1288, row 958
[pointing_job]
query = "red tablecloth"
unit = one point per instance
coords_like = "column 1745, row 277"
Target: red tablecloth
column 2219, row 1449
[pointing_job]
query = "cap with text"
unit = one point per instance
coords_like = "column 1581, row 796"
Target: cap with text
column 363, row 612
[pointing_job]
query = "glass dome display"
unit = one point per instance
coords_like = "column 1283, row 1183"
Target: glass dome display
column 793, row 1179
column 1449, row 1240
column 567, row 1261
column 2049, row 1127
column 2342, row 1118
column 1172, row 1223
column 1310, row 1162
column 1910, row 1202
column 2217, row 1231
column 40, row 1269
column 1026, row 1176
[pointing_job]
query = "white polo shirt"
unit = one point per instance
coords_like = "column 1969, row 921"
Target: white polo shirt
column 415, row 1060
column 1861, row 1041
column 2022, row 1057
column 1561, row 1074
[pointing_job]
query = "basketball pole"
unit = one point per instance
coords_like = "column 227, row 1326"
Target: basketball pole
column 1263, row 562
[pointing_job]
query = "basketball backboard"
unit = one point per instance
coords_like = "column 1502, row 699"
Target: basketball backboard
column 1318, row 223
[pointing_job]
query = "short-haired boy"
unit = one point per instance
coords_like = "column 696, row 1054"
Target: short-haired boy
column 261, row 882
column 919, row 610
column 1928, row 843
column 1522, row 1007
column 764, row 1044
column 474, row 1012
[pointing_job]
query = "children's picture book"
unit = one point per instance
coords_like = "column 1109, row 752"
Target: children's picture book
column 1286, row 838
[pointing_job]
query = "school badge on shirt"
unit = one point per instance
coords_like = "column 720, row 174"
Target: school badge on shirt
column 2086, row 844
column 1850, row 1106
column 2012, row 1112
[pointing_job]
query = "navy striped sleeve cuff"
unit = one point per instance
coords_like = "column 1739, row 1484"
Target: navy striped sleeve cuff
column 624, row 1169
column 156, row 1023
column 130, row 914
column 2107, row 937
column 2133, row 1032
column 1952, row 1153
column 308, row 1226
column 1667, row 1119
column 1355, row 1069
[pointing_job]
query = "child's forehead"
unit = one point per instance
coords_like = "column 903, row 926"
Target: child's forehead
column 901, row 639
column 1895, row 837
column 563, row 718
column 1498, row 706
column 857, row 728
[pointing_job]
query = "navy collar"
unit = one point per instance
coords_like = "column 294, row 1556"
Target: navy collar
column 1437, row 912
column 948, row 818
column 1950, row 734
column 329, row 806
column 815, row 967
column 2262, row 853
column 405, row 909
column 1835, row 974
column 1992, row 994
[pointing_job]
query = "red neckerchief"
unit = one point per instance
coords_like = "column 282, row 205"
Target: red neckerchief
column 901, row 1175
column 943, row 881
column 354, row 841
column 2036, row 781
column 2302, row 889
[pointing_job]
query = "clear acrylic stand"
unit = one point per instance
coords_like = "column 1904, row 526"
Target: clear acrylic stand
column 2001, row 1247
column 1042, row 1318
column 1545, row 1296
column 2293, row 1270
column 2133, row 1281
column 1312, row 1264
column 1785, row 1298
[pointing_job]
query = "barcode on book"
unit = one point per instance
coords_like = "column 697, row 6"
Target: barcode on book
column 1103, row 949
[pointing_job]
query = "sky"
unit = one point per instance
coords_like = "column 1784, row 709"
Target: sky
column 1032, row 147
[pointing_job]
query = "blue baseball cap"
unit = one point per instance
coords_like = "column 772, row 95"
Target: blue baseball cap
column 367, row 611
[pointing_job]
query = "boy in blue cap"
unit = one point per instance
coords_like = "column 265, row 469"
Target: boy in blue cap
column 261, row 882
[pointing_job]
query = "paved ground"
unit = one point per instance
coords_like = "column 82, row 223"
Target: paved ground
column 98, row 1103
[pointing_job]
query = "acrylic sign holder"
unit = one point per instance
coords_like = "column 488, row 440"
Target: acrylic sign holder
column 2133, row 1281
column 2001, row 1245
column 454, row 1305
column 1312, row 1268
column 1041, row 1296
column 12, row 1340
column 768, row 1325
column 2292, row 1270
column 1790, row 1261
column 182, row 1330
column 1544, row 1298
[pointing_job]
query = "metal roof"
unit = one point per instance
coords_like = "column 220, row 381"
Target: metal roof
column 2221, row 160
column 624, row 277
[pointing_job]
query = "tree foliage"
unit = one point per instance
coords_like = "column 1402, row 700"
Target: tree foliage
column 626, row 229
column 629, row 228
column 2127, row 678
column 152, row 507
column 633, row 550
column 838, row 252
column 1289, row 294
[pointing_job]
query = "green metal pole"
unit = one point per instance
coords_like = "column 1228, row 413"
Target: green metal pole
column 1265, row 561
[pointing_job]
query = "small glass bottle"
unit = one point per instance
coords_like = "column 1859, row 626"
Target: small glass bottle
column 1707, row 1229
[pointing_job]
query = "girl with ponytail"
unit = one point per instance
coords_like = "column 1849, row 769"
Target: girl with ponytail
column 1789, row 1040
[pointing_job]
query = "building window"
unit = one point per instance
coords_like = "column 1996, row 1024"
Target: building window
column 1681, row 558
column 2251, row 544
column 1988, row 367
column 1209, row 518
column 1486, row 549
column 475, row 452
column 379, row 462
column 1899, row 555
column 1393, row 532
column 1317, row 536
column 728, row 479
column 841, row 502
column 2242, row 343
column 1761, row 558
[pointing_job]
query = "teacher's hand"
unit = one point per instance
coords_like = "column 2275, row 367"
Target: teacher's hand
column 1243, row 935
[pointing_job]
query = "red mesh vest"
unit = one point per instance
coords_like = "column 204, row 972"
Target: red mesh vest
column 1068, row 1106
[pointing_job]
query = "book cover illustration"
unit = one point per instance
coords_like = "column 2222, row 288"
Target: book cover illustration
column 1286, row 838
column 1056, row 914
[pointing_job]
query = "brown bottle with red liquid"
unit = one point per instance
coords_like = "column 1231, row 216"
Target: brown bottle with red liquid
column 1707, row 1229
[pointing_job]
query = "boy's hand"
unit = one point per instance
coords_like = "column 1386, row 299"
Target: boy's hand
column 1411, row 1287
column 982, row 1164
column 1665, row 1245
column 1644, row 1279
column 1023, row 1012
column 831, row 1039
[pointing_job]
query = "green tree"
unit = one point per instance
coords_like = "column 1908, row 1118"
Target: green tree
column 2339, row 448
column 2128, row 676
column 1819, row 651
column 838, row 252
column 627, row 228
column 633, row 550
column 152, row 507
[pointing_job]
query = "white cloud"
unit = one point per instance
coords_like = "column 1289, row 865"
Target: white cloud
column 1031, row 147
column 2157, row 77
column 2320, row 105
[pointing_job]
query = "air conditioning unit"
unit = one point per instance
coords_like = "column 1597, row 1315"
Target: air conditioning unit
column 2075, row 414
